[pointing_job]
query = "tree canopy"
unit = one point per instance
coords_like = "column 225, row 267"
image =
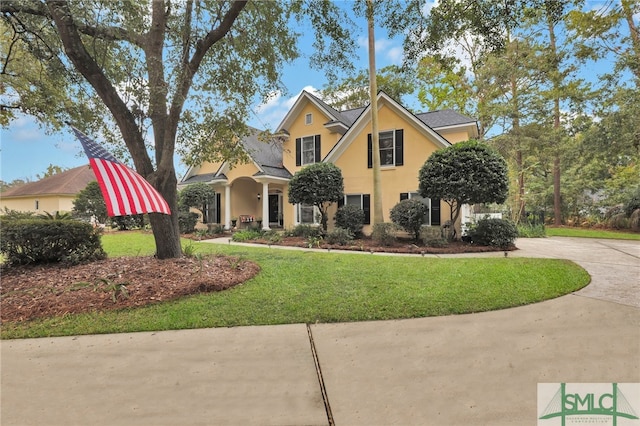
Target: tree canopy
column 196, row 195
column 465, row 173
column 172, row 77
column 318, row 184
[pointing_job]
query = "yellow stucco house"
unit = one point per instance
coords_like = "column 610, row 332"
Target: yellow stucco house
column 313, row 131
column 49, row 195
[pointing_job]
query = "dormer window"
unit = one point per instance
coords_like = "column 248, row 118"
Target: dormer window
column 308, row 119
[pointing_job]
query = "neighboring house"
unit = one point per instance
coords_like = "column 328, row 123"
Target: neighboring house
column 51, row 194
column 313, row 131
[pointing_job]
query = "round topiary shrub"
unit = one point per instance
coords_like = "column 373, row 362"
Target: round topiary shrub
column 409, row 215
column 494, row 232
column 350, row 217
column 32, row 241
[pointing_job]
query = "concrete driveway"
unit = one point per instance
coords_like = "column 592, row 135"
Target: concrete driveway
column 457, row 370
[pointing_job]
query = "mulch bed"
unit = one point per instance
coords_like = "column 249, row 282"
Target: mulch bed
column 30, row 292
column 399, row 246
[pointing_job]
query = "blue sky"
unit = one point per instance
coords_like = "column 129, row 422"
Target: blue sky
column 26, row 150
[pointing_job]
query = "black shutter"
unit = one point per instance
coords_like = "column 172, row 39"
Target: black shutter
column 218, row 215
column 366, row 207
column 399, row 147
column 404, row 196
column 369, row 152
column 435, row 212
column 341, row 202
column 298, row 152
column 317, row 153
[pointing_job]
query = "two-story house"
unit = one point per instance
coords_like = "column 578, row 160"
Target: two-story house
column 313, row 131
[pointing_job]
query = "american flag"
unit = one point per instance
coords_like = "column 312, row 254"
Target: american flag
column 125, row 192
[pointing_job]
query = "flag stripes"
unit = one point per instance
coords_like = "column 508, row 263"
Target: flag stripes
column 125, row 192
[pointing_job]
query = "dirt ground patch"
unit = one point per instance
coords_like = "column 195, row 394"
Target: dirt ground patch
column 30, row 292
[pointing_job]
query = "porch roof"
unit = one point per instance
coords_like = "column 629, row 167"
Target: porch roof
column 206, row 177
column 280, row 172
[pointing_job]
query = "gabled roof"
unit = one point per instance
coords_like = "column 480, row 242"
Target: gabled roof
column 334, row 117
column 341, row 121
column 69, row 182
column 365, row 117
column 267, row 157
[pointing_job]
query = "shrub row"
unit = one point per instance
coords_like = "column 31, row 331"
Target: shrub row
column 32, row 241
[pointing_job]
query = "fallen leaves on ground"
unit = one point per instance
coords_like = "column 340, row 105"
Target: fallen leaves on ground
column 30, row 292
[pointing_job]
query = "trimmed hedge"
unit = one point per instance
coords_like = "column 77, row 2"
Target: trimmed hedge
column 494, row 232
column 409, row 215
column 32, row 241
column 350, row 217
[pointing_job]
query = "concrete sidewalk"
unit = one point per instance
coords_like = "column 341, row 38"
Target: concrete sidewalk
column 455, row 370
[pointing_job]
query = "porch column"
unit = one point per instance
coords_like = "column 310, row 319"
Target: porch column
column 265, row 206
column 227, row 207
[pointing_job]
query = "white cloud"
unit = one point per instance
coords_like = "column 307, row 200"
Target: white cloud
column 25, row 129
column 388, row 52
column 272, row 112
column 272, row 101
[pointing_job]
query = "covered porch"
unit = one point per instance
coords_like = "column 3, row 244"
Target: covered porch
column 255, row 201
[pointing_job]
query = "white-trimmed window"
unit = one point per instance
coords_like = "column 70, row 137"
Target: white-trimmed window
column 387, row 148
column 307, row 214
column 308, row 150
column 308, row 119
column 391, row 148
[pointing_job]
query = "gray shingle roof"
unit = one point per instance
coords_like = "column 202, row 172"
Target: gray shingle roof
column 346, row 117
column 444, row 118
column 275, row 171
column 69, row 182
column 206, row 177
column 264, row 153
column 433, row 119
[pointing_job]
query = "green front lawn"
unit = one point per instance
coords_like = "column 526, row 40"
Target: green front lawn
column 309, row 287
column 590, row 233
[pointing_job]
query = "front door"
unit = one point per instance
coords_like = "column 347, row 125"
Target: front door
column 274, row 208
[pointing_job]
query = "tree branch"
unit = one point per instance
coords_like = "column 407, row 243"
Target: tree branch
column 202, row 47
column 86, row 65
column 12, row 7
column 22, row 6
column 112, row 34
